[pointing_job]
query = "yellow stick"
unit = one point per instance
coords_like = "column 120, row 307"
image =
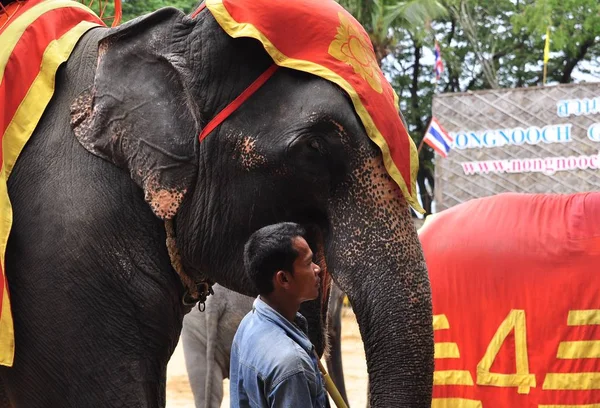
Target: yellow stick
column 331, row 388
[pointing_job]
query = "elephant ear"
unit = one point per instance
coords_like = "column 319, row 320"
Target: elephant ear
column 139, row 114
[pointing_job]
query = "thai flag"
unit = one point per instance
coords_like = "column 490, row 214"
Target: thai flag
column 439, row 65
column 438, row 138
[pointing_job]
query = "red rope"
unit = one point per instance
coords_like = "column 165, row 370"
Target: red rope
column 118, row 14
column 198, row 10
column 237, row 102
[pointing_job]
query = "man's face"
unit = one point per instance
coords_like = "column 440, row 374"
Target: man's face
column 305, row 281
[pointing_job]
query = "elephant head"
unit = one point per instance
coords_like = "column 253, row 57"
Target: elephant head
column 294, row 151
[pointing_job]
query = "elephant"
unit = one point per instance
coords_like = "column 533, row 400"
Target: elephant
column 207, row 337
column 514, row 279
column 122, row 217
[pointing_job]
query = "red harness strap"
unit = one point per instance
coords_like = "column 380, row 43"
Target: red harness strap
column 237, row 102
column 198, row 10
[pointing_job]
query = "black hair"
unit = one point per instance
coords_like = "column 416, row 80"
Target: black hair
column 268, row 250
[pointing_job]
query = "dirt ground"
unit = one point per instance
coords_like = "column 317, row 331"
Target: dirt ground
column 179, row 394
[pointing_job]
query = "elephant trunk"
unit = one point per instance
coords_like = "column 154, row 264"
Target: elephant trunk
column 212, row 387
column 380, row 266
column 397, row 335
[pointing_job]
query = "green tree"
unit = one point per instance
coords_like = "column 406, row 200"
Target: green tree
column 135, row 8
column 387, row 21
column 575, row 33
column 500, row 43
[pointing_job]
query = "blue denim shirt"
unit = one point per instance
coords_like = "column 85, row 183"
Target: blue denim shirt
column 273, row 364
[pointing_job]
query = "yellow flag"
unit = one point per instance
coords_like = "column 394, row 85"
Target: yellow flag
column 547, row 46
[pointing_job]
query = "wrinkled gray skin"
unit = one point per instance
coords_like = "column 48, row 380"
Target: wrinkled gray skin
column 207, row 337
column 96, row 302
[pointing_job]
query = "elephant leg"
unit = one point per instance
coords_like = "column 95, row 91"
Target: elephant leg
column 334, row 328
column 213, row 387
column 193, row 338
column 218, row 375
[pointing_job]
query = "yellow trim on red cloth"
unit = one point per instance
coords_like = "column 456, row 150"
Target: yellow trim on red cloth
column 23, row 123
column 13, row 32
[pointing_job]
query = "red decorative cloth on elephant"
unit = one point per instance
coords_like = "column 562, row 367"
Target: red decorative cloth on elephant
column 37, row 36
column 515, row 287
column 320, row 37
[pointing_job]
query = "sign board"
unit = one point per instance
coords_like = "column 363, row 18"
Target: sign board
column 527, row 140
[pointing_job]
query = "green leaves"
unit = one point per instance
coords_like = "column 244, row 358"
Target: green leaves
column 135, row 8
column 415, row 13
column 388, row 21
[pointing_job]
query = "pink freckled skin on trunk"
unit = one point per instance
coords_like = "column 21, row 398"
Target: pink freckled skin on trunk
column 379, row 248
column 339, row 126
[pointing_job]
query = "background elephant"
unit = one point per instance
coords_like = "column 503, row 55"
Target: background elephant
column 115, row 168
column 207, row 337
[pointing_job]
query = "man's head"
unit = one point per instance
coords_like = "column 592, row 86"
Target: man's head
column 278, row 259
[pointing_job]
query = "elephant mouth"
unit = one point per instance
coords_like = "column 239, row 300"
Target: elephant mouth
column 316, row 238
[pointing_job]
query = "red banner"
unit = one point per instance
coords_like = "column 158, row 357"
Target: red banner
column 516, row 298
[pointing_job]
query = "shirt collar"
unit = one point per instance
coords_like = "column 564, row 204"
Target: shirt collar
column 295, row 332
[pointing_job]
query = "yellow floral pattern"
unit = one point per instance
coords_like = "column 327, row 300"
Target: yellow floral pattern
column 352, row 47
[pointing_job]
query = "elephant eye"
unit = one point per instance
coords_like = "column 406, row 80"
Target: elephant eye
column 314, row 144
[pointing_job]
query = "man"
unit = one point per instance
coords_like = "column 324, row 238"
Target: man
column 273, row 363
